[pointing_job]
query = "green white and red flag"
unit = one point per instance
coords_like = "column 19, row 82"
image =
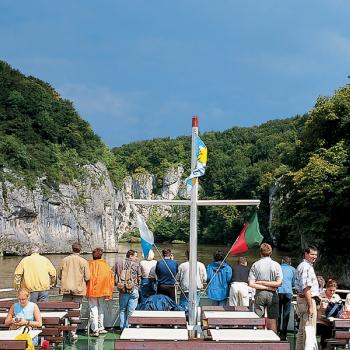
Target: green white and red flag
column 250, row 236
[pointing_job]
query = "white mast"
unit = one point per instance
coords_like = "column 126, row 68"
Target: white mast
column 192, row 292
column 194, row 203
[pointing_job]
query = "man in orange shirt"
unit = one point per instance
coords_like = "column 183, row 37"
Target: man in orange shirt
column 98, row 289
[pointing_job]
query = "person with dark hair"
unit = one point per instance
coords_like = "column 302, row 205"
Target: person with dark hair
column 285, row 295
column 37, row 274
column 306, row 286
column 183, row 277
column 266, row 276
column 166, row 270
column 74, row 273
column 99, row 289
column 324, row 327
column 127, row 271
column 219, row 277
column 239, row 291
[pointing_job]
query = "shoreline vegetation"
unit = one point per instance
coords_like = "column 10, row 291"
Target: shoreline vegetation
column 298, row 167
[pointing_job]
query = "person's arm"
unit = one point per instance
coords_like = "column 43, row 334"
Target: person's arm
column 10, row 317
column 308, row 298
column 52, row 273
column 18, row 276
column 272, row 284
column 259, row 286
column 37, row 318
column 86, row 272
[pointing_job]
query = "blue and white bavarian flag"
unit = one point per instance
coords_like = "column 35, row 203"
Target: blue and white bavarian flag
column 147, row 239
column 201, row 161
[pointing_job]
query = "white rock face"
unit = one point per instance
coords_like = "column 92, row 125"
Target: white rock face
column 93, row 211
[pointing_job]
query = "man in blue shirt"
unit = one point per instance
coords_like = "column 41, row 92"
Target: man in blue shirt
column 285, row 294
column 166, row 270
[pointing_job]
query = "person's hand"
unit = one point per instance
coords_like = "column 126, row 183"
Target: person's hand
column 19, row 321
column 310, row 312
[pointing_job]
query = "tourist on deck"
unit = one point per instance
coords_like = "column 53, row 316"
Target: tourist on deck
column 347, row 303
column 307, row 289
column 183, row 277
column 266, row 276
column 148, row 279
column 128, row 299
column 324, row 327
column 74, row 272
column 166, row 270
column 99, row 289
column 219, row 277
column 321, row 283
column 37, row 274
column 239, row 291
column 285, row 295
column 24, row 313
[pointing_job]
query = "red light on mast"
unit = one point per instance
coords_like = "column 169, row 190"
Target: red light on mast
column 195, row 121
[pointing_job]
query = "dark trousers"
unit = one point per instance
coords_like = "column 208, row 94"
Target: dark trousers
column 285, row 303
column 325, row 331
column 166, row 289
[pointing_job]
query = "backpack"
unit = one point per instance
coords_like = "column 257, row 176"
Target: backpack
column 25, row 336
column 125, row 282
column 333, row 309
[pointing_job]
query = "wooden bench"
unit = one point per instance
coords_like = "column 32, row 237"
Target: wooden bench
column 198, row 344
column 232, row 319
column 176, row 319
column 13, row 344
column 341, row 331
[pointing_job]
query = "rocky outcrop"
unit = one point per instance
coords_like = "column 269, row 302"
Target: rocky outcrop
column 91, row 211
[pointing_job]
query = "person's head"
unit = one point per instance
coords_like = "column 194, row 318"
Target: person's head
column 310, row 253
column 331, row 287
column 321, row 282
column 131, row 254
column 34, row 249
column 265, row 249
column 76, row 247
column 286, row 260
column 219, row 255
column 23, row 296
column 150, row 256
column 242, row 260
column 166, row 253
column 97, row 253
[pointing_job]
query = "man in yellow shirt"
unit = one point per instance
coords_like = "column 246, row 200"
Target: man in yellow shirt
column 37, row 274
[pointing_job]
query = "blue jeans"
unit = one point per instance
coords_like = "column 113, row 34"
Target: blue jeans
column 147, row 288
column 184, row 302
column 127, row 304
column 39, row 296
column 285, row 303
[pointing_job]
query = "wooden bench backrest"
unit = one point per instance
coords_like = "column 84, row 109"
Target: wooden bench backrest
column 13, row 344
column 198, row 345
column 45, row 305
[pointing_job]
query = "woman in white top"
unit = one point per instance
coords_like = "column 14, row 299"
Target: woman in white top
column 324, row 327
column 148, row 279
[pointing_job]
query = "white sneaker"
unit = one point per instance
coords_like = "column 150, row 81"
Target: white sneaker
column 102, row 331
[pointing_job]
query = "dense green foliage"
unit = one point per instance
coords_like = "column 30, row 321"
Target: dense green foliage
column 41, row 134
column 243, row 163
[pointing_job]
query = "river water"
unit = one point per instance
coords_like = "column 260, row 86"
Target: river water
column 205, row 255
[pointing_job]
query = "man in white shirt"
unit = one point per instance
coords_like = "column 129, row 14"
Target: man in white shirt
column 183, row 277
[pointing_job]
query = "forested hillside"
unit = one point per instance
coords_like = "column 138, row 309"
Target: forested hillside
column 41, row 134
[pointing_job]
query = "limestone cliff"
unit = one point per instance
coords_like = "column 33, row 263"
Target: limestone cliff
column 92, row 211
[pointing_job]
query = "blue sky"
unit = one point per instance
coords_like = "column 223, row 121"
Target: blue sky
column 139, row 69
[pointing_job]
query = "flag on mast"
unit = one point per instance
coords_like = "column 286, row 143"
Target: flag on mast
column 147, row 238
column 201, row 162
column 250, row 236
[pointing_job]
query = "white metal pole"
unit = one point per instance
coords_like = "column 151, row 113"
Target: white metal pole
column 192, row 293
